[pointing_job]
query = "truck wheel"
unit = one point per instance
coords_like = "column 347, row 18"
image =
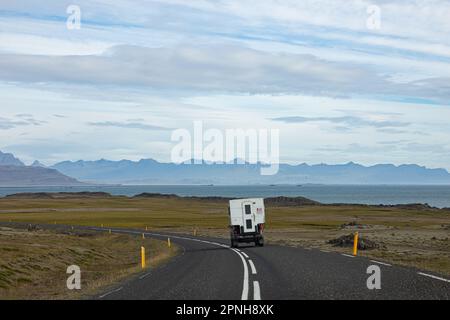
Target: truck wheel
column 260, row 242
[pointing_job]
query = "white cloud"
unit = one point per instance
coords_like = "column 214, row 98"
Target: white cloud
column 39, row 45
column 426, row 20
column 228, row 69
column 129, row 125
column 348, row 122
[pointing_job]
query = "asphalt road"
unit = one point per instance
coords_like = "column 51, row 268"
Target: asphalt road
column 209, row 269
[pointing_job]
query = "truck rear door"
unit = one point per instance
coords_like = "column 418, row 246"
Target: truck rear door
column 248, row 216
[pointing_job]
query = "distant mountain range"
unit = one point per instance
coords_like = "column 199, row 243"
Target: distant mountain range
column 14, row 172
column 8, row 159
column 152, row 172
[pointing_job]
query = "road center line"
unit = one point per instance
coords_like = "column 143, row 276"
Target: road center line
column 382, row 263
column 245, row 255
column 252, row 266
column 434, row 277
column 256, row 291
column 245, row 285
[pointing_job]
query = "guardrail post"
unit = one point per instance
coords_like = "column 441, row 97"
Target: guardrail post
column 143, row 264
column 355, row 244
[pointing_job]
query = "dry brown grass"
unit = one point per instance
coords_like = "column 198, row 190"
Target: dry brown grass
column 33, row 264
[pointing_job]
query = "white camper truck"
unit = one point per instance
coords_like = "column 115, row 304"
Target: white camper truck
column 247, row 218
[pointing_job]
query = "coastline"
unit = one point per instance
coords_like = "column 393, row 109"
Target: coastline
column 432, row 195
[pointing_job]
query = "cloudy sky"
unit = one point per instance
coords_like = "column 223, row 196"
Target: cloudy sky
column 340, row 84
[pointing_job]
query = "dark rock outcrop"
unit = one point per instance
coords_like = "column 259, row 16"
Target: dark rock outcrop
column 348, row 240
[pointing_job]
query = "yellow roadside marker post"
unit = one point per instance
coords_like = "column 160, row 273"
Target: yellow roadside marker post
column 102, row 225
column 110, row 231
column 168, row 243
column 355, row 244
column 195, row 232
column 143, row 236
column 143, row 258
column 146, row 228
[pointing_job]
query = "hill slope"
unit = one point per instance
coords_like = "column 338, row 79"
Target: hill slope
column 20, row 176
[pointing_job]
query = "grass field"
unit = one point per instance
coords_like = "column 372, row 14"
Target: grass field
column 33, row 264
column 412, row 237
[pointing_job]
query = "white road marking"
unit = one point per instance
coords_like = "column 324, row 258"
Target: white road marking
column 256, row 291
column 382, row 263
column 347, row 255
column 245, row 285
column 252, row 266
column 111, row 292
column 244, row 254
column 434, row 277
column 144, row 276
